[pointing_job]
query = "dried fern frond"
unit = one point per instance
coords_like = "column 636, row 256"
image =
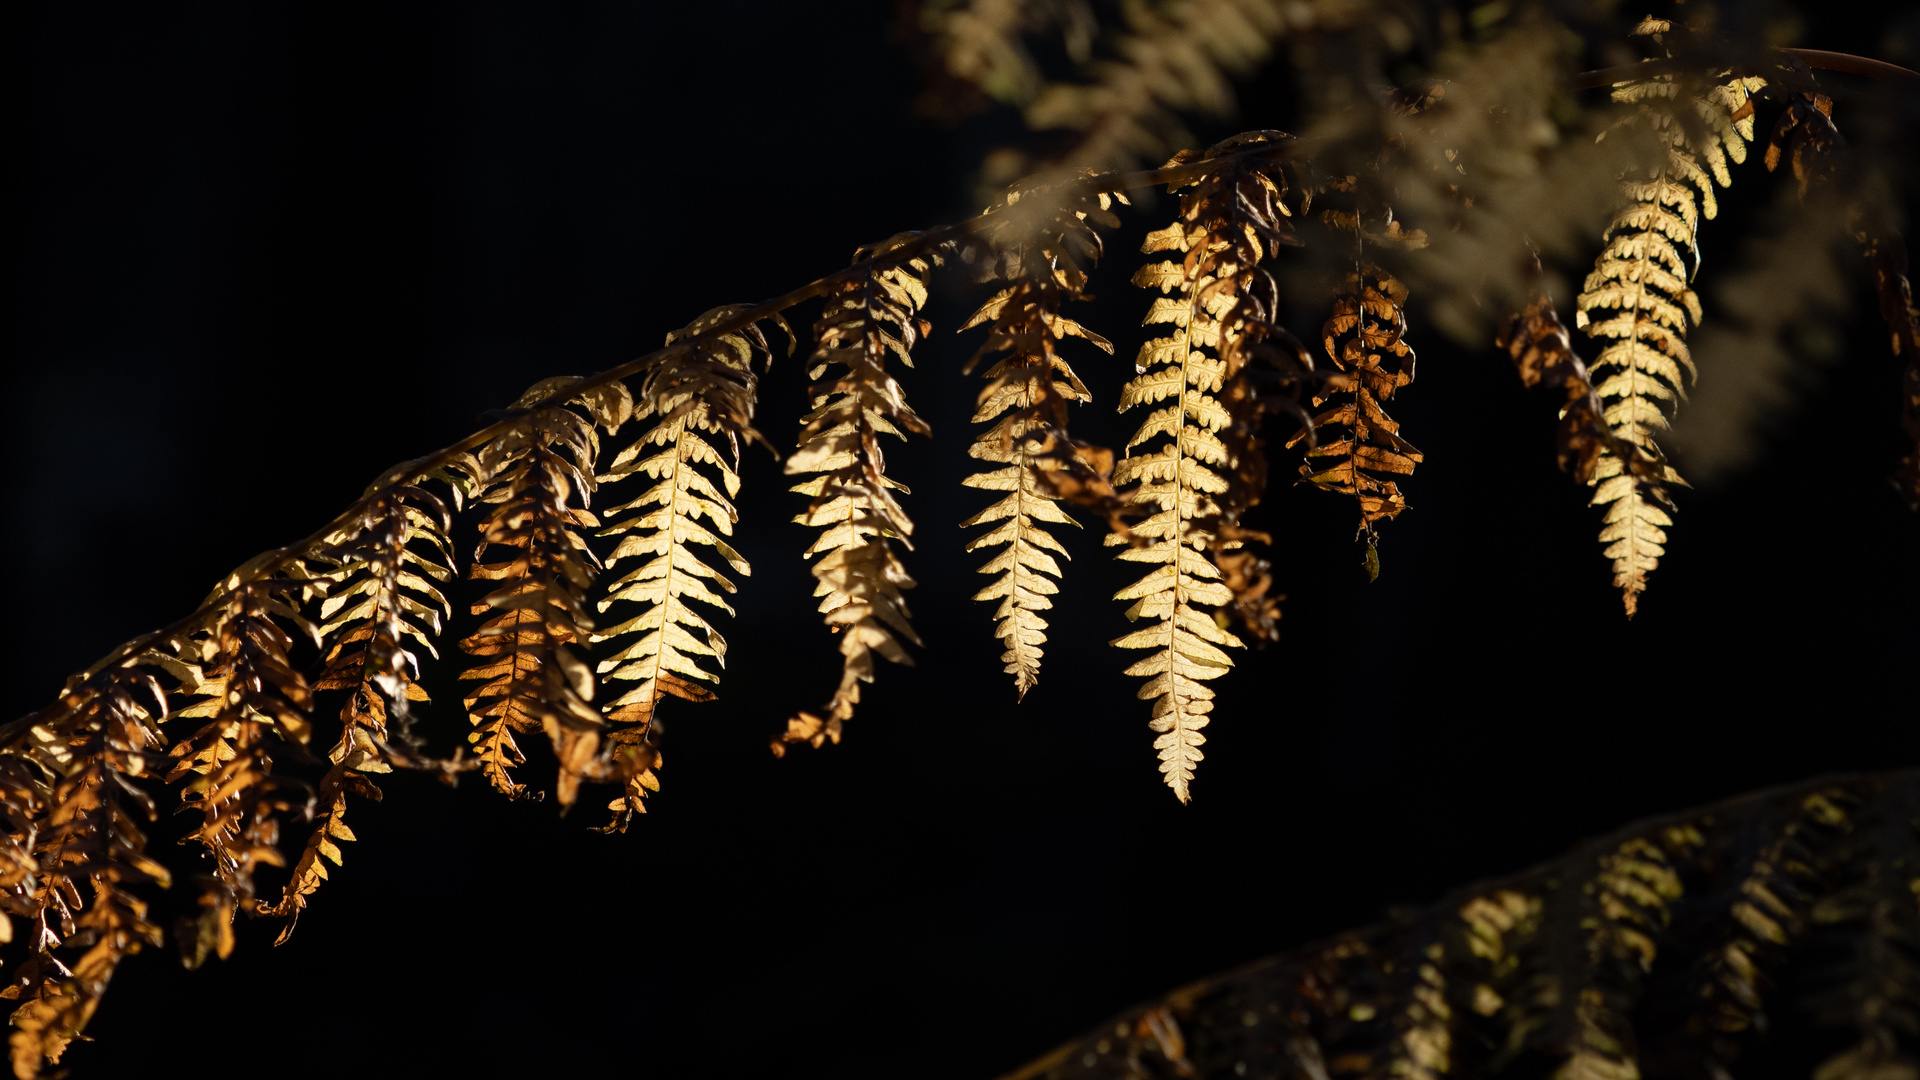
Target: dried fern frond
column 380, row 592
column 866, row 319
column 1025, row 400
column 1886, row 253
column 108, row 727
column 531, row 676
column 366, row 715
column 256, row 697
column 1542, row 353
column 387, row 570
column 1807, row 136
column 707, row 389
column 1638, row 298
column 1365, row 337
column 1177, row 464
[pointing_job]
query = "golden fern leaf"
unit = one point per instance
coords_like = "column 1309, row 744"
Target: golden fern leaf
column 1230, row 219
column 310, row 869
column 1365, row 337
column 1026, row 397
column 256, row 695
column 867, row 317
column 380, row 591
column 109, row 723
column 708, row 386
column 22, row 801
column 532, row 679
column 1638, row 298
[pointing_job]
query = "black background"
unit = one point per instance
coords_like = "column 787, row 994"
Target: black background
column 259, row 254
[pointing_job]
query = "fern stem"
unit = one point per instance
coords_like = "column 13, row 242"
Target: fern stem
column 1822, row 59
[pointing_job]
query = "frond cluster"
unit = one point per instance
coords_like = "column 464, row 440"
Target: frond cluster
column 1640, row 301
column 388, row 567
column 1683, row 945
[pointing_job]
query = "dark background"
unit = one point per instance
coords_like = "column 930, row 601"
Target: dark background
column 256, row 255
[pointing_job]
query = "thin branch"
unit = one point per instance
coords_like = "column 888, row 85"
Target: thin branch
column 1822, row 59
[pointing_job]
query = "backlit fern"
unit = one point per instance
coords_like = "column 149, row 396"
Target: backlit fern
column 580, row 626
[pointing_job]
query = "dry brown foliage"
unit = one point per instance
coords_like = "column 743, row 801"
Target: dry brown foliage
column 1413, row 185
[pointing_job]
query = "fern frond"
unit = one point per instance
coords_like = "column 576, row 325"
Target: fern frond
column 1026, row 397
column 1171, row 58
column 1649, row 952
column 383, row 589
column 979, row 42
column 531, row 677
column 1638, row 298
column 1886, row 253
column 380, row 591
column 256, row 696
column 1177, row 464
column 1772, row 879
column 866, row 319
column 310, row 869
column 1864, row 927
column 1365, row 337
column 1807, row 131
column 706, row 389
column 108, row 725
